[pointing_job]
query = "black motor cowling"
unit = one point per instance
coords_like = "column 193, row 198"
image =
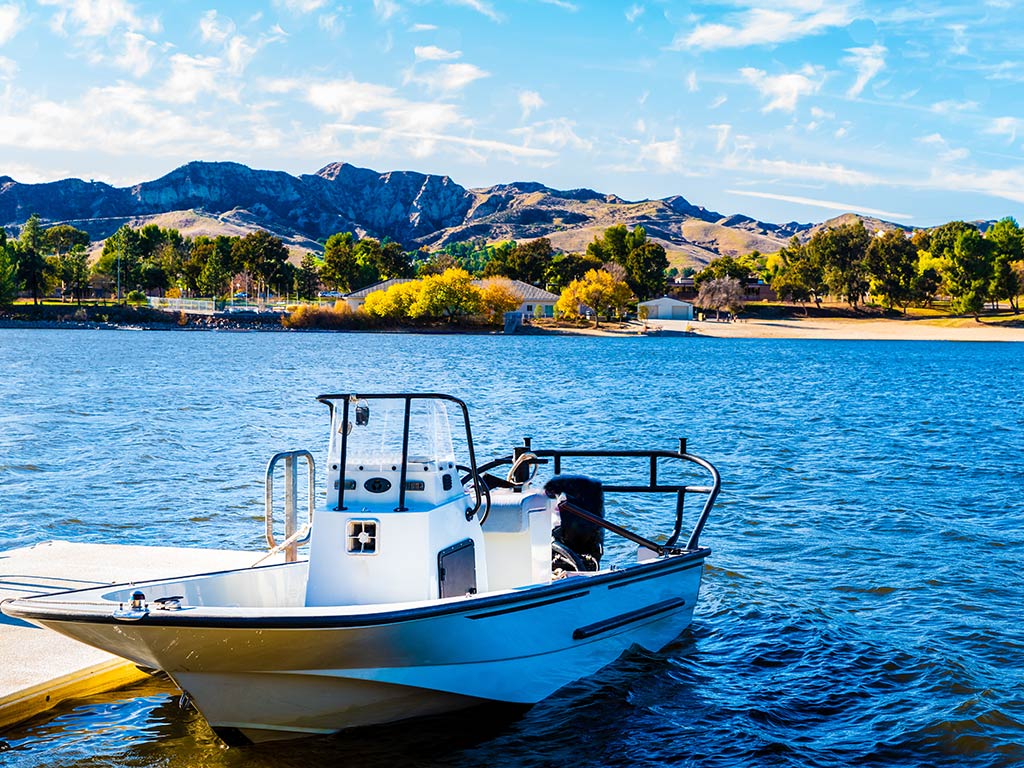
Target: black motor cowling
column 577, row 543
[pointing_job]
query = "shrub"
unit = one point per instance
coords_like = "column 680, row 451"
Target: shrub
column 135, row 297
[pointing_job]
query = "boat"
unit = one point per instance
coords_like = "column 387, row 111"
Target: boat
column 432, row 583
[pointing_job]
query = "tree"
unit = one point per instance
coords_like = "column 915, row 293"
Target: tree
column 340, row 270
column 265, row 257
column 599, row 291
column 645, row 269
column 799, row 277
column 527, row 262
column 451, row 294
column 611, row 245
column 891, row 262
column 307, row 277
column 841, row 252
column 74, row 272
column 437, row 263
column 217, row 265
column 723, row 266
column 1007, row 249
column 395, row 301
column 498, row 296
column 969, row 272
column 121, row 259
column 721, row 293
column 33, row 269
column 566, row 267
column 58, row 240
column 9, row 282
column 393, row 262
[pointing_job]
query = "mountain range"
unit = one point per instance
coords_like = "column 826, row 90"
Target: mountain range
column 412, row 208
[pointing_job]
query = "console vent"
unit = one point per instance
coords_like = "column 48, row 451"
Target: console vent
column 361, row 537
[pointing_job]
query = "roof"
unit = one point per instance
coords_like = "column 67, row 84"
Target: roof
column 666, row 300
column 527, row 291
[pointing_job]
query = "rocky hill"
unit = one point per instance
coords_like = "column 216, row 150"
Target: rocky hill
column 412, row 208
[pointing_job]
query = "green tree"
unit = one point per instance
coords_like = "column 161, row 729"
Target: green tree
column 307, row 277
column 611, row 245
column 265, row 258
column 841, row 253
column 121, row 260
column 969, row 272
column 74, row 268
column 217, row 265
column 891, row 262
column 721, row 293
column 340, row 271
column 59, row 241
column 798, row 277
column 645, row 269
column 33, row 269
column 9, row 282
column 1007, row 249
column 566, row 267
column 721, row 267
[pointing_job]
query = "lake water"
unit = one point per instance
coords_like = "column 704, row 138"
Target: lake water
column 862, row 605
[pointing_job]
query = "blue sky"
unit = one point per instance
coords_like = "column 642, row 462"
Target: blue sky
column 789, row 110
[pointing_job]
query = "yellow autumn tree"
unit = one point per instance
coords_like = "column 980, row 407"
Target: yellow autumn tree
column 598, row 290
column 450, row 294
column 498, row 296
column 394, row 301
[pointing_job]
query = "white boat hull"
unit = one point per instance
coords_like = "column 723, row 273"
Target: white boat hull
column 299, row 671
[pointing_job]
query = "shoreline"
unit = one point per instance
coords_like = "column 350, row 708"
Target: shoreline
column 837, row 329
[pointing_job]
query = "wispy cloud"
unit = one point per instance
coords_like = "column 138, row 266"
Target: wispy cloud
column 943, row 151
column 447, row 78
column 557, row 134
column 10, row 21
column 565, row 5
column 529, row 102
column 634, row 12
column 1005, row 126
column 828, row 204
column 783, row 91
column 790, row 20
column 951, row 107
column 480, row 6
column 433, row 53
column 98, row 18
column 301, row 6
column 868, row 62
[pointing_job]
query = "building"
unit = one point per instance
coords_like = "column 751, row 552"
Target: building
column 533, row 297
column 667, row 308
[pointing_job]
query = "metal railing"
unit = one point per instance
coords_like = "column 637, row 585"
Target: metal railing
column 653, row 485
column 293, row 537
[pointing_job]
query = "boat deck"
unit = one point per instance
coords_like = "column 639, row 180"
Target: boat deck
column 39, row 669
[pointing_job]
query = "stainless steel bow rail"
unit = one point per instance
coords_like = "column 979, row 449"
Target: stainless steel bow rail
column 526, row 455
column 293, row 536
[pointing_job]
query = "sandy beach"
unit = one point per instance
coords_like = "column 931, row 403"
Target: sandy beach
column 911, row 329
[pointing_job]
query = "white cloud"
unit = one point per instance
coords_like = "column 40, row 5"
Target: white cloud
column 558, row 133
column 868, row 62
column 423, row 28
column 301, row 6
column 565, row 5
column 10, row 21
column 691, row 82
column 482, row 145
column 480, row 7
column 634, row 12
column 829, row 204
column 137, row 57
column 386, row 8
column 943, row 150
column 215, row 29
column 330, row 23
column 768, row 26
column 350, row 98
column 194, row 75
column 433, row 53
column 1005, row 126
column 665, row 155
column 959, row 45
column 722, row 133
column 951, row 106
column 833, row 173
column 8, row 68
column 783, row 91
column 1005, row 183
column 718, row 102
column 98, row 18
column 448, row 78
column 529, row 102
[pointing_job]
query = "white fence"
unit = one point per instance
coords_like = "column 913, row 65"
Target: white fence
column 188, row 306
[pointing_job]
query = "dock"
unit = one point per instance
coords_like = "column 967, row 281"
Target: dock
column 39, row 668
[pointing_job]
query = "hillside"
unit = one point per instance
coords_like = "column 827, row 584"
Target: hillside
column 412, row 208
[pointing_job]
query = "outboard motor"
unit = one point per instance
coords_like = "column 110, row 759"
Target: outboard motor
column 577, row 544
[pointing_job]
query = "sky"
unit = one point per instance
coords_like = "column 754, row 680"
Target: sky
column 794, row 110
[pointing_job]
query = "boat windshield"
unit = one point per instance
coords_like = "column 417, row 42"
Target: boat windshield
column 376, row 432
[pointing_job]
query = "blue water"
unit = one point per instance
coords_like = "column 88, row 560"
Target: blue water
column 863, row 603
